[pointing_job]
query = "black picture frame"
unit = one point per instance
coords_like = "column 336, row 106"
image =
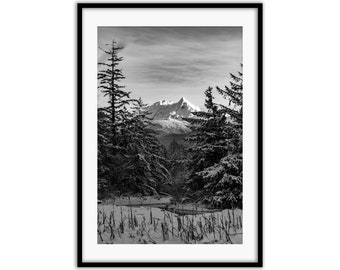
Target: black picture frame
column 259, row 7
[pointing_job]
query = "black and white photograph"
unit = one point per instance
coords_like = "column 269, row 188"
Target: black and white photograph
column 170, row 129
column 171, row 150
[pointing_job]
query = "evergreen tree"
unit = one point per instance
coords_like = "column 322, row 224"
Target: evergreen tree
column 144, row 170
column 130, row 158
column 111, row 119
column 216, row 176
column 109, row 79
column 105, row 153
column 205, row 146
column 234, row 94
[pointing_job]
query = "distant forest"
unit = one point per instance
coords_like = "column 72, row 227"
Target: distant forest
column 207, row 167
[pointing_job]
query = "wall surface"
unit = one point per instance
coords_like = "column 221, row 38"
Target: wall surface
column 301, row 134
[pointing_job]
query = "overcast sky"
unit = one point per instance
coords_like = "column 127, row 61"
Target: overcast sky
column 174, row 62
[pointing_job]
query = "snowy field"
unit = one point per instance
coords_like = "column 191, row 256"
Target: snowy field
column 151, row 225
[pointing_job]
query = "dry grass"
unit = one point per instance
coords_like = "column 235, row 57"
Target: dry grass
column 150, row 228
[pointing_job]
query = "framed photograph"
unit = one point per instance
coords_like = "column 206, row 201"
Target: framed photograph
column 169, row 135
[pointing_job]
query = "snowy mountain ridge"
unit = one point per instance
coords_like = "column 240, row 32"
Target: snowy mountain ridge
column 166, row 109
column 168, row 117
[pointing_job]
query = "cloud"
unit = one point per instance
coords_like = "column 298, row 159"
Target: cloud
column 168, row 61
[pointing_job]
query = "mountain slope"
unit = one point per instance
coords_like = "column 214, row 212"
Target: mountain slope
column 172, row 110
column 168, row 119
column 171, row 126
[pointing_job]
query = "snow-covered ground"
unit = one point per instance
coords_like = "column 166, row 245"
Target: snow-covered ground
column 150, row 225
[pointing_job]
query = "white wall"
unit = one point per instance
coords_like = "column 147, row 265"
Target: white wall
column 302, row 133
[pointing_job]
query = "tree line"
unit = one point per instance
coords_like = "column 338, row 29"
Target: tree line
column 131, row 160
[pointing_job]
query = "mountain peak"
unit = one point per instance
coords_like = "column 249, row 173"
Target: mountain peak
column 183, row 100
column 165, row 109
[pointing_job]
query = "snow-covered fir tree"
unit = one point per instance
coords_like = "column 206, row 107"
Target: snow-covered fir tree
column 111, row 119
column 216, row 148
column 130, row 158
column 205, row 146
column 109, row 83
column 144, row 170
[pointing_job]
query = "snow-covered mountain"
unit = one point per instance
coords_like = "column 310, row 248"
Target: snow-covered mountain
column 172, row 110
column 168, row 118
